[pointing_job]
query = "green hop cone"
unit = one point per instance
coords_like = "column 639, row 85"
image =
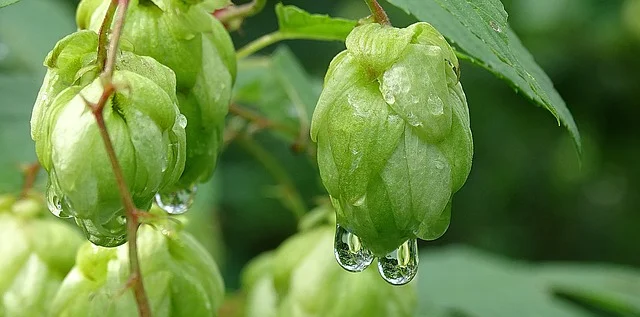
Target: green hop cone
column 143, row 122
column 184, row 36
column 180, row 278
column 36, row 254
column 393, row 135
column 302, row 279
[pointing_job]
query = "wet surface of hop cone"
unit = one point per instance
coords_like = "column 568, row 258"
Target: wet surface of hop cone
column 301, row 278
column 392, row 127
column 144, row 124
column 184, row 36
column 36, row 252
column 180, row 277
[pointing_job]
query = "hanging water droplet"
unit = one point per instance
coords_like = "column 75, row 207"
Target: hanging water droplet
column 176, row 203
column 349, row 252
column 400, row 266
column 54, row 204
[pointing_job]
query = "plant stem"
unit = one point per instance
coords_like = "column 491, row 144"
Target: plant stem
column 261, row 43
column 114, row 43
column 290, row 196
column 378, row 13
column 30, row 174
column 135, row 277
column 260, row 121
column 103, row 36
column 234, row 12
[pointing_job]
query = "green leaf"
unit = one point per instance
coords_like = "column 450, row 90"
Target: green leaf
column 4, row 3
column 18, row 93
column 481, row 30
column 465, row 282
column 295, row 22
column 288, row 101
column 607, row 287
column 296, row 83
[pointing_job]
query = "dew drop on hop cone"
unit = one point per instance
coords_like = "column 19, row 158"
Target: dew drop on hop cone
column 400, row 266
column 54, row 204
column 349, row 252
column 178, row 202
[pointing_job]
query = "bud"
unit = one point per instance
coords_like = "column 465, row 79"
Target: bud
column 144, row 124
column 180, row 277
column 184, row 36
column 36, row 255
column 301, row 278
column 394, row 142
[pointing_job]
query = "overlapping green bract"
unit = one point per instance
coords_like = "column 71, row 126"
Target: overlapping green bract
column 185, row 37
column 36, row 254
column 144, row 124
column 301, row 278
column 180, row 277
column 392, row 127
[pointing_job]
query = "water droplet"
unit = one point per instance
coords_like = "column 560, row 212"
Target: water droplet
column 54, row 204
column 389, row 97
column 436, row 105
column 181, row 120
column 400, row 266
column 349, row 252
column 360, row 201
column 176, row 203
column 495, row 26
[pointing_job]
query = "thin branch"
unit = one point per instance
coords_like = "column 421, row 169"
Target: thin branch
column 239, row 12
column 290, row 196
column 260, row 121
column 135, row 278
column 30, row 175
column 103, row 36
column 378, row 13
column 261, row 43
column 115, row 40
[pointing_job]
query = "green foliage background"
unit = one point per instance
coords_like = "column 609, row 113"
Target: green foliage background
column 528, row 197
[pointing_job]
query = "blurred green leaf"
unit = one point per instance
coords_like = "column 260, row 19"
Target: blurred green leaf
column 288, row 101
column 25, row 43
column 481, row 30
column 295, row 22
column 202, row 219
column 18, row 93
column 296, row 83
column 4, row 3
column 464, row 282
column 607, row 287
column 29, row 30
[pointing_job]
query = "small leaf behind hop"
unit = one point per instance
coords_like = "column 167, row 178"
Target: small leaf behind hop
column 481, row 30
column 280, row 89
column 294, row 21
column 4, row 3
column 466, row 282
column 608, row 287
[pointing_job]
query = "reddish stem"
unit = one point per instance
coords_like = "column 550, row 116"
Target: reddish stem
column 30, row 175
column 135, row 278
column 378, row 13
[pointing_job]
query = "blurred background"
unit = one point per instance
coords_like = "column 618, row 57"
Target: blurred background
column 528, row 197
